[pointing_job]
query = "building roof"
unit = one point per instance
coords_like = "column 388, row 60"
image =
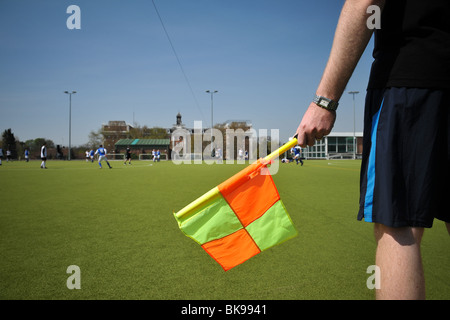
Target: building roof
column 345, row 134
column 143, row 142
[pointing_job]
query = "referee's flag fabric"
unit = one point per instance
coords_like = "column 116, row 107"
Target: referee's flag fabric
column 239, row 218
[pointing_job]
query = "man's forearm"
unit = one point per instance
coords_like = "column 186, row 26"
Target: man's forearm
column 350, row 40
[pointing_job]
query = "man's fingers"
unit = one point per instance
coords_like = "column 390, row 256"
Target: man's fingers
column 305, row 140
column 300, row 140
column 311, row 140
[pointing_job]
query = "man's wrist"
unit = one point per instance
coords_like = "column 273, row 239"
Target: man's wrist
column 325, row 103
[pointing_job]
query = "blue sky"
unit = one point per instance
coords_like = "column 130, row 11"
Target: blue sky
column 265, row 57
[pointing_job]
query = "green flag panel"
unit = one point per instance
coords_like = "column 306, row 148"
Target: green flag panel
column 213, row 222
column 272, row 228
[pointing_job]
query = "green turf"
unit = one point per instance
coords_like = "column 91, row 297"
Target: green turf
column 117, row 226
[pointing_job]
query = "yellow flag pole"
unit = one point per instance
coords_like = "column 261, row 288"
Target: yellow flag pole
column 292, row 143
column 208, row 197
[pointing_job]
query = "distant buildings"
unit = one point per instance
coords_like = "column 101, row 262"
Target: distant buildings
column 113, row 132
column 118, row 135
column 337, row 145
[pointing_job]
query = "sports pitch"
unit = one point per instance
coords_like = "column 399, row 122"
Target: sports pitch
column 117, row 226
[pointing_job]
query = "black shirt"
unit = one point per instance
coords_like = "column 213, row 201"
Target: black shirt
column 412, row 48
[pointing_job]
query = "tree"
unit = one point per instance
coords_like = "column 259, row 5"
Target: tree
column 157, row 133
column 147, row 133
column 9, row 142
column 95, row 139
column 34, row 146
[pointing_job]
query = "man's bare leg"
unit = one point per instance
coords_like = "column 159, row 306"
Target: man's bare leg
column 399, row 258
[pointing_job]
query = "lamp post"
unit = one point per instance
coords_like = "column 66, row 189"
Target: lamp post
column 212, row 108
column 70, row 119
column 354, row 117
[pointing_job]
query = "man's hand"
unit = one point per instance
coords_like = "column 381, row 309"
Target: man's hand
column 317, row 122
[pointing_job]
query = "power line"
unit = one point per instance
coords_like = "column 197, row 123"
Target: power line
column 178, row 59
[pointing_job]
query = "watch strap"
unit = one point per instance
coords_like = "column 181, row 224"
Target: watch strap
column 325, row 103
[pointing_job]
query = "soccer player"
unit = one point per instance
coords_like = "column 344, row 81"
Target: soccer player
column 406, row 149
column 297, row 151
column 219, row 155
column 102, row 156
column 92, row 154
column 44, row 156
column 1, row 156
column 128, row 156
column 27, row 155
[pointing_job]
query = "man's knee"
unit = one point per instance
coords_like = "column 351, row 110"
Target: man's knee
column 404, row 236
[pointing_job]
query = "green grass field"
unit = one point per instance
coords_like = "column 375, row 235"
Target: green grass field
column 118, row 227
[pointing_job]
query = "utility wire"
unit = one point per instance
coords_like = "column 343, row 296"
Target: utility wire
column 178, row 59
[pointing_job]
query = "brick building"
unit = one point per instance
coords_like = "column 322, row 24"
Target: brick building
column 113, row 132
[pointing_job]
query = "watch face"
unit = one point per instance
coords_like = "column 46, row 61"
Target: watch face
column 324, row 103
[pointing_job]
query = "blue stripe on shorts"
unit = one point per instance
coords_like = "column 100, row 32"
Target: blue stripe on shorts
column 368, row 201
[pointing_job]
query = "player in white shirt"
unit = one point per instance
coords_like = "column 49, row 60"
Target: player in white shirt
column 241, row 154
column 44, row 156
column 102, row 156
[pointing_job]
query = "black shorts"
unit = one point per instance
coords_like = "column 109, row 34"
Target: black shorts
column 406, row 157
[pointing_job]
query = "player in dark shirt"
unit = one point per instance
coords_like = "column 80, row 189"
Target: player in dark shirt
column 127, row 156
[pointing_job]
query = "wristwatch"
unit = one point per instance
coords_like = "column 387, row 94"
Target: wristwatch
column 325, row 103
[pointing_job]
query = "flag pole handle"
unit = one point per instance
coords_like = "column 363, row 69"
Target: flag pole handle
column 292, row 143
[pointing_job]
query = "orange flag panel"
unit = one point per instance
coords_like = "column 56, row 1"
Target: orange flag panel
column 232, row 249
column 253, row 198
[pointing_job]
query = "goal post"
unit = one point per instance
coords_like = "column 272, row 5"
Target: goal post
column 115, row 156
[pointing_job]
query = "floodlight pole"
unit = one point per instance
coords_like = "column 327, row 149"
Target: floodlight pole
column 70, row 119
column 212, row 108
column 354, row 117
